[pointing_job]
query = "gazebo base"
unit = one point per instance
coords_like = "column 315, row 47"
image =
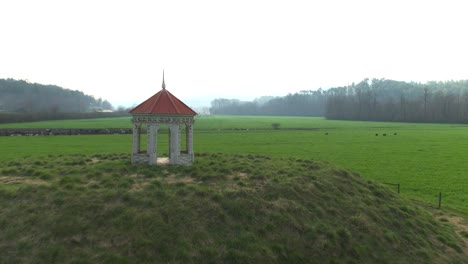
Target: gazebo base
column 163, row 161
column 182, row 159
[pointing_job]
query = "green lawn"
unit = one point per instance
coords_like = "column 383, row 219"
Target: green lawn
column 424, row 158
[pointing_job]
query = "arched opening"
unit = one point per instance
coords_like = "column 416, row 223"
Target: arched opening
column 162, row 143
column 183, row 139
column 143, row 139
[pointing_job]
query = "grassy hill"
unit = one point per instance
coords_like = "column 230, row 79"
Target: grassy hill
column 224, row 208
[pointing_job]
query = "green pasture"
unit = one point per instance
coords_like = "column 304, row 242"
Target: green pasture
column 233, row 123
column 424, row 158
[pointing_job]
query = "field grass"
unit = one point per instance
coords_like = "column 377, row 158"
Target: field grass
column 424, row 158
column 233, row 123
column 98, row 208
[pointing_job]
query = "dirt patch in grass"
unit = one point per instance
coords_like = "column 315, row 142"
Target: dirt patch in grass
column 240, row 175
column 94, row 160
column 140, row 183
column 460, row 224
column 172, row 179
column 22, row 180
column 138, row 186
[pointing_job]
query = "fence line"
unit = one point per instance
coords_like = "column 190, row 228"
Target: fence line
column 398, row 190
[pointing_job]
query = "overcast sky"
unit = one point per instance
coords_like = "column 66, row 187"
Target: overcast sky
column 117, row 50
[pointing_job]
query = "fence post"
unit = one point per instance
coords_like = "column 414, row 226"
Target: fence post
column 394, row 184
column 440, row 199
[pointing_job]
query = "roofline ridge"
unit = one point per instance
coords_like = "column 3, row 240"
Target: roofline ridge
column 182, row 102
column 172, row 101
column 156, row 101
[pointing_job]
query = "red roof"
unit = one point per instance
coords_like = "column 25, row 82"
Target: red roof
column 163, row 102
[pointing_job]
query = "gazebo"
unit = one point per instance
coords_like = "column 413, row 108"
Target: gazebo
column 163, row 108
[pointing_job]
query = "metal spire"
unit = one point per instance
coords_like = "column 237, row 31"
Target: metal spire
column 163, row 84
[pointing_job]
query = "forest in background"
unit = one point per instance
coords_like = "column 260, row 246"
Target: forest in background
column 20, row 96
column 22, row 101
column 369, row 100
column 303, row 103
column 388, row 100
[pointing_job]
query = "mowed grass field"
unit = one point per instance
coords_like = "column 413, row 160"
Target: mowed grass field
column 424, row 158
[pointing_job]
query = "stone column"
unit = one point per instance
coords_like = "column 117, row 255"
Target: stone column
column 174, row 143
column 156, row 128
column 179, row 140
column 151, row 148
column 170, row 143
column 136, row 139
column 189, row 140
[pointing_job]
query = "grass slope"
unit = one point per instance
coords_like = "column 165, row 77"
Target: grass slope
column 224, row 208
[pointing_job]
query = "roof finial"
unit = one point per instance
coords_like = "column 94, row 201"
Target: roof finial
column 163, row 84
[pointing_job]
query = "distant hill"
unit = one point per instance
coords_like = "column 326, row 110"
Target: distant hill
column 24, row 97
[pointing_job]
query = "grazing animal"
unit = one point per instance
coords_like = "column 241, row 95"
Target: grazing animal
column 384, row 135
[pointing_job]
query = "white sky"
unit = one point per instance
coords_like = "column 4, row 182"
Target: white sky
column 233, row 49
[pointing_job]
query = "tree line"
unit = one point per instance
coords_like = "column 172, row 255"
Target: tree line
column 389, row 100
column 303, row 103
column 20, row 96
column 34, row 117
column 368, row 100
